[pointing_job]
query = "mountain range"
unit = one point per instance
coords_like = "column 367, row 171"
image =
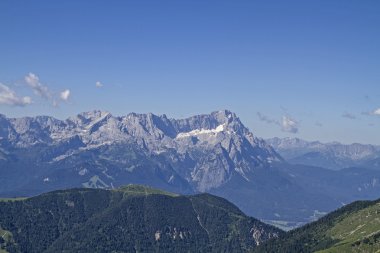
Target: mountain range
column 212, row 153
column 204, row 151
column 332, row 155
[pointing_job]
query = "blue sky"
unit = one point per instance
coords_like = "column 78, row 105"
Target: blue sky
column 308, row 69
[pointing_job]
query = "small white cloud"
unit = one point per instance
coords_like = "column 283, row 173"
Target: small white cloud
column 9, row 97
column 375, row 112
column 98, row 84
column 33, row 81
column 64, row 95
column 289, row 125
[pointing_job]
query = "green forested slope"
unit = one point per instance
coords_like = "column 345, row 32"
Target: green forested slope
column 130, row 219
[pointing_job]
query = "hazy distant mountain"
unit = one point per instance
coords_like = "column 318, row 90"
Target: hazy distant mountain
column 332, row 155
column 129, row 219
column 212, row 153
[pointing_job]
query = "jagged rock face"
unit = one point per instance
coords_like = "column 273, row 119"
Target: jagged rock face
column 203, row 151
column 259, row 235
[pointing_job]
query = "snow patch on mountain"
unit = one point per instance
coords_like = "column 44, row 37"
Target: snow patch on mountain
column 196, row 132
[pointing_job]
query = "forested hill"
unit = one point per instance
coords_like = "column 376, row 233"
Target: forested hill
column 130, row 219
column 353, row 228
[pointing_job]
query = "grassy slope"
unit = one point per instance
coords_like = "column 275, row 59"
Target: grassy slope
column 359, row 232
column 133, row 189
column 353, row 228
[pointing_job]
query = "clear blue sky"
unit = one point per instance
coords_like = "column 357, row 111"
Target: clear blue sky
column 309, row 69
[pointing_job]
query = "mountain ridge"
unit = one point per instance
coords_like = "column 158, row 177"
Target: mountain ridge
column 332, row 155
column 131, row 218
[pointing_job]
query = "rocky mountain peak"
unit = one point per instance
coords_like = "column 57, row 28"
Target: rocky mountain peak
column 224, row 116
column 210, row 121
column 85, row 118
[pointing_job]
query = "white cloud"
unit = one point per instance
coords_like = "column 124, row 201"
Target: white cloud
column 98, row 84
column 289, row 125
column 375, row 112
column 9, row 97
column 33, row 82
column 64, row 95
